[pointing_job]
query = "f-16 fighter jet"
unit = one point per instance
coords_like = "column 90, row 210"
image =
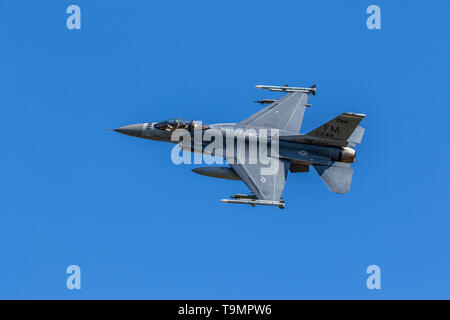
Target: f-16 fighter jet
column 328, row 148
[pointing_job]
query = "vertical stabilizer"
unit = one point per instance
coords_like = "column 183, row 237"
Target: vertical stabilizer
column 340, row 128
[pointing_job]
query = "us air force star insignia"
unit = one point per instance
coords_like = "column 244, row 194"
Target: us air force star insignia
column 303, row 153
column 263, row 179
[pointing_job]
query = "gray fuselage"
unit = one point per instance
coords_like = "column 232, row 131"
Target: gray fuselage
column 303, row 153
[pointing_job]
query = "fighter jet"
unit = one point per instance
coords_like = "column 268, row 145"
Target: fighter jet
column 328, row 148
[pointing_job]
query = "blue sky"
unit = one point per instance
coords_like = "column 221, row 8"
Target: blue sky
column 141, row 227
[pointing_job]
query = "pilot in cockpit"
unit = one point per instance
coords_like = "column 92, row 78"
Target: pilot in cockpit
column 174, row 124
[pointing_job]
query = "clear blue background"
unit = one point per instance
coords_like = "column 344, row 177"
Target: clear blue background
column 141, row 227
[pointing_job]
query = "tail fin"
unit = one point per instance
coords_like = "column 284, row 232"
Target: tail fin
column 337, row 177
column 341, row 128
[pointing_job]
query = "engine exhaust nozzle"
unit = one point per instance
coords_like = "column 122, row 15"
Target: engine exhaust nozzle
column 347, row 155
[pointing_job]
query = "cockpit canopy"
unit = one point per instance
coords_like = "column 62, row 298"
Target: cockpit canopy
column 174, row 124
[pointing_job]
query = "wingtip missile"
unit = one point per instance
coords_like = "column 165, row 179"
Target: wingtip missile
column 311, row 90
column 255, row 202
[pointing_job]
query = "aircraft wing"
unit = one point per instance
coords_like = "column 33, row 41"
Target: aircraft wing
column 265, row 187
column 284, row 114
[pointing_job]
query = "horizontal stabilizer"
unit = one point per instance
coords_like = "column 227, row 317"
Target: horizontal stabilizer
column 356, row 136
column 337, row 177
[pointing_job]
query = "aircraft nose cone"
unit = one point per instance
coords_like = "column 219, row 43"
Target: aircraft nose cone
column 134, row 130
